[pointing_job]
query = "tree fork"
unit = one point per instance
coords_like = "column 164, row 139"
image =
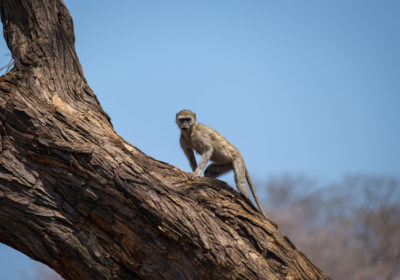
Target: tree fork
column 77, row 197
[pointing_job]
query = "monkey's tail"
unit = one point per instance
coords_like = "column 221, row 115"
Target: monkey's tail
column 260, row 208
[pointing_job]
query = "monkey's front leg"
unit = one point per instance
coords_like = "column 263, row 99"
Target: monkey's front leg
column 192, row 160
column 205, row 157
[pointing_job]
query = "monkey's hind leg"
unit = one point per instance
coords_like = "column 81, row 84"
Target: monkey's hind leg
column 215, row 170
column 240, row 176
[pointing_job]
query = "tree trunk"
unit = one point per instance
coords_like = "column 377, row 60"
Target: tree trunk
column 77, row 197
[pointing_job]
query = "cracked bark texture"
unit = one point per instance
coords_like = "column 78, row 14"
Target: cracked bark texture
column 77, row 197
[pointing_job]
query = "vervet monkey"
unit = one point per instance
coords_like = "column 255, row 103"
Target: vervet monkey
column 212, row 146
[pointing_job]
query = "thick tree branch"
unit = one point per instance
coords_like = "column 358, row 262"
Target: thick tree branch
column 76, row 196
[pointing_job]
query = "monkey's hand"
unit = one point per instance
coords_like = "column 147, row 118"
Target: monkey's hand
column 194, row 175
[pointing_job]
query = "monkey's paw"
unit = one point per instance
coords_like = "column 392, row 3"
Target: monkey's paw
column 193, row 175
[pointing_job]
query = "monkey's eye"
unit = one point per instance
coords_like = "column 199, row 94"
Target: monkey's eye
column 184, row 120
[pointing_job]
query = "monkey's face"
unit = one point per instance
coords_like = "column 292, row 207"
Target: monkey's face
column 185, row 122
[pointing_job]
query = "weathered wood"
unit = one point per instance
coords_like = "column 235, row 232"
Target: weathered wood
column 76, row 196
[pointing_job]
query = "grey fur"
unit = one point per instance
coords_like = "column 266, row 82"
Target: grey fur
column 212, row 146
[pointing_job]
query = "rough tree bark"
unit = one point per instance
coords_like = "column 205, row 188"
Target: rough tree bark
column 76, row 196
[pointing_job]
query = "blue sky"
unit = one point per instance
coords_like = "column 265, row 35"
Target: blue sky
column 300, row 87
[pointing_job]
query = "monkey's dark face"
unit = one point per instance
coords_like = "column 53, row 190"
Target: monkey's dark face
column 185, row 122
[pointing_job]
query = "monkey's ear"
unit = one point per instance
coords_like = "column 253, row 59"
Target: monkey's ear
column 194, row 115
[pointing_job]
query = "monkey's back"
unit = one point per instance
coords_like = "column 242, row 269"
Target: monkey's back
column 203, row 136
